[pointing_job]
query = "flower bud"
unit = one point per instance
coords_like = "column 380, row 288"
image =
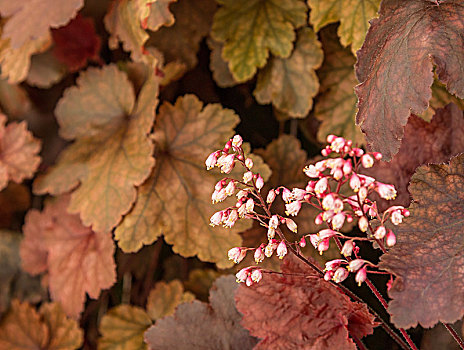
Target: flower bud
column 302, row 242
column 259, row 183
column 362, row 193
column 247, row 177
column 259, row 255
column 358, row 152
column 333, row 264
column 249, row 163
column 256, row 275
column 337, row 144
column 311, row 171
column 380, row 232
column 328, row 201
column 228, row 146
column 347, row 249
column 274, row 221
column 318, row 220
column 323, row 245
column 250, row 205
column 340, row 275
column 310, row 186
column 331, row 138
column 237, row 141
column 249, row 281
column 355, row 182
column 391, row 239
column 347, row 167
column 363, row 223
column 228, row 163
column 338, row 221
column 271, row 195
column 338, row 174
column 314, row 239
column 367, row 161
column 231, row 219
column 242, row 194
column 291, row 225
column 271, row 246
column 326, row 151
column 338, row 205
column 377, row 155
column 361, row 276
column 328, row 275
column 356, row 264
column 281, row 250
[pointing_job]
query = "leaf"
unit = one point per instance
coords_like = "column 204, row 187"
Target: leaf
column 423, row 143
column 14, row 100
column 198, row 325
column 76, row 43
column 124, row 22
column 78, row 260
column 428, row 256
column 31, row 20
column 200, row 281
column 112, row 152
column 9, row 261
column 354, row 16
column 123, row 327
column 175, row 200
column 181, row 41
column 336, row 106
column 160, row 15
column 15, row 62
column 221, row 73
column 45, row 70
column 18, row 152
column 165, row 297
column 440, row 98
column 250, row 29
column 291, row 83
column 24, row 328
column 395, row 66
column 307, row 312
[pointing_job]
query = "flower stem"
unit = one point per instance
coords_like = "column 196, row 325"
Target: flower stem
column 454, row 334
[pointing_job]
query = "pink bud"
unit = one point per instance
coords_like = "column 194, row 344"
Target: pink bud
column 328, row 275
column 347, row 167
column 377, row 155
column 259, row 255
column 328, row 201
column 292, row 208
column 328, row 215
column 211, row 160
column 331, row 138
column 337, row 144
column 367, row 161
column 347, row 249
column 291, row 225
column 361, row 276
column 362, row 193
column 242, row 194
column 391, row 239
column 338, row 221
column 249, row 163
column 380, row 232
column 314, row 239
column 302, row 242
column 237, row 141
column 271, row 195
column 355, row 182
column 242, row 274
column 227, row 163
column 247, row 176
column 338, row 205
column 333, row 264
column 363, row 223
column 327, row 233
column 274, row 221
column 236, row 254
column 340, row 275
column 216, row 219
column 321, row 186
column 228, row 146
column 323, row 245
column 249, row 281
column 270, row 233
column 356, row 264
column 358, row 152
column 259, row 183
column 242, row 210
column 271, row 246
column 326, row 151
column 318, row 220
column 310, row 186
column 256, row 275
column 218, row 196
column 250, row 205
column 337, row 174
column 281, row 250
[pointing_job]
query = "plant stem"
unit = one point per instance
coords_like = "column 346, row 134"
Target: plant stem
column 359, row 343
column 454, row 334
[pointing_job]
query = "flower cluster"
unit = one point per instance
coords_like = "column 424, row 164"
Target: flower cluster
column 335, row 187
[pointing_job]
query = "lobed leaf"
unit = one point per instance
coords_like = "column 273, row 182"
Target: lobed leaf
column 440, row 98
column 307, row 312
column 395, row 66
column 165, row 297
column 336, row 106
column 428, row 256
column 30, row 20
column 45, row 70
column 78, row 260
column 112, row 152
column 123, row 327
column 291, row 83
column 354, row 17
column 197, row 325
column 24, row 328
column 250, row 29
column 160, row 15
column 174, row 201
column 19, row 150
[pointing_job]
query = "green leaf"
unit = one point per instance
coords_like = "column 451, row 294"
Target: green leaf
column 291, row 83
column 112, row 152
column 175, row 200
column 354, row 16
column 250, row 29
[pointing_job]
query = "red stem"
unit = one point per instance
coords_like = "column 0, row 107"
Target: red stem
column 454, row 335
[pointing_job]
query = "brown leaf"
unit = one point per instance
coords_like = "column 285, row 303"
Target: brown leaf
column 18, row 152
column 301, row 312
column 423, row 143
column 160, row 15
column 32, row 19
column 395, row 65
column 221, row 73
column 201, row 326
column 45, row 70
column 122, row 328
column 24, row 328
column 76, row 43
column 112, row 152
column 165, row 297
column 181, row 41
column 14, row 100
column 428, row 256
column 77, row 260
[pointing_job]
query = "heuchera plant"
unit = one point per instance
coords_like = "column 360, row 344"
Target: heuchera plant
column 336, row 188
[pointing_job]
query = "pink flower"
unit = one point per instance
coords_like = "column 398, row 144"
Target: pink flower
column 259, row 255
column 327, row 233
column 337, row 174
column 302, row 242
column 323, row 245
column 363, row 223
column 227, row 163
column 347, row 167
column 386, row 191
column 236, row 254
column 356, row 264
column 328, row 201
column 361, row 276
column 293, row 208
column 231, row 219
column 331, row 138
column 259, row 183
column 347, row 248
column 219, row 196
column 338, row 221
column 216, row 219
column 367, row 161
column 333, row 264
column 256, row 275
column 340, row 275
column 298, row 194
column 271, row 195
column 318, row 220
column 211, row 160
column 337, row 144
column 311, row 171
column 237, row 141
column 250, row 205
column 249, row 163
column 271, row 246
column 281, row 250
column 355, row 182
column 242, row 274
column 230, row 188
column 247, row 176
column 391, row 239
column 242, row 194
column 321, row 186
column 291, row 225
column 286, row 195
column 380, row 232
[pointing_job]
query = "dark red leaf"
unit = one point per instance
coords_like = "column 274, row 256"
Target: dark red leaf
column 395, row 65
column 429, row 255
column 76, row 43
column 299, row 310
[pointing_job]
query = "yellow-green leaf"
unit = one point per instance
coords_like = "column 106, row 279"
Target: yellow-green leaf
column 354, row 16
column 112, row 152
column 122, row 328
column 250, row 29
column 165, row 297
column 336, row 106
column 291, row 83
column 176, row 199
